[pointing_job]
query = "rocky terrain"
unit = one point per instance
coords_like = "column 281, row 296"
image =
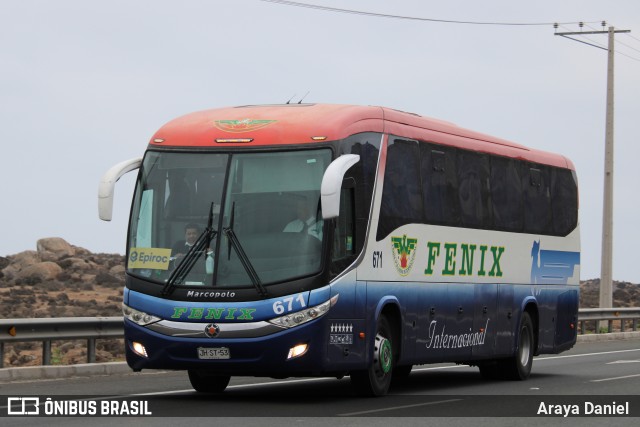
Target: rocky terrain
column 62, row 280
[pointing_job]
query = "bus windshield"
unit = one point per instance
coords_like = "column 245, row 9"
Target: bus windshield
column 264, row 209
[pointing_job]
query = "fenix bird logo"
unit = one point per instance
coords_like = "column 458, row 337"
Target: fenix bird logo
column 404, row 253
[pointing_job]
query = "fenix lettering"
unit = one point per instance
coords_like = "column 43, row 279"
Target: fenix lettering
column 465, row 259
column 198, row 313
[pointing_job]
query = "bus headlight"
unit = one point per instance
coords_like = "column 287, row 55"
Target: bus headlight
column 304, row 316
column 138, row 317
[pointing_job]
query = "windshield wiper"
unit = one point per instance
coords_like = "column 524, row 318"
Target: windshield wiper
column 200, row 246
column 244, row 259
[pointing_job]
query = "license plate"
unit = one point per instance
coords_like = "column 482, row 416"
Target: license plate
column 213, row 353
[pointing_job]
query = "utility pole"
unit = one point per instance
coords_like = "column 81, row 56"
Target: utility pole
column 606, row 280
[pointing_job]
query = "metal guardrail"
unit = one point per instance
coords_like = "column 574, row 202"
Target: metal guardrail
column 611, row 316
column 47, row 330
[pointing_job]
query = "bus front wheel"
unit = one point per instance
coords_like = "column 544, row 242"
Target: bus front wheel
column 208, row 383
column 376, row 380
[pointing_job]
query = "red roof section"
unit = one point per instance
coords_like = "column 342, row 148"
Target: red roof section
column 278, row 125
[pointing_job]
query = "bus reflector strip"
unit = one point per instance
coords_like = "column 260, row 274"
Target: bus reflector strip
column 233, row 140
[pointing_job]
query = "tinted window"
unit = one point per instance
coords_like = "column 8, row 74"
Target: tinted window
column 401, row 195
column 564, row 201
column 440, row 184
column 474, row 190
column 363, row 173
column 537, row 199
column 506, row 194
column 463, row 188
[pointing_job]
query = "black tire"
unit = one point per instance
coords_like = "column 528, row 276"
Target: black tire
column 490, row 370
column 402, row 372
column 376, row 380
column 518, row 367
column 208, row 383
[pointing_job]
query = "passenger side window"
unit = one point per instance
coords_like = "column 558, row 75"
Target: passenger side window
column 537, row 199
column 401, row 195
column 474, row 190
column 440, row 184
column 506, row 194
column 564, row 201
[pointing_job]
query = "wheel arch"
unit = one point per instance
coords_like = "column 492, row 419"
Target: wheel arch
column 530, row 306
column 390, row 308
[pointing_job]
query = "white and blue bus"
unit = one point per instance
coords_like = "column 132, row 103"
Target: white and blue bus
column 334, row 240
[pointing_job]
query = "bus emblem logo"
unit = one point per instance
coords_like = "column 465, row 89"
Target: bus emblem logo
column 404, row 253
column 212, row 330
column 239, row 126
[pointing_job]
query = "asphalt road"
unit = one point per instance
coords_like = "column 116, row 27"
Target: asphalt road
column 588, row 375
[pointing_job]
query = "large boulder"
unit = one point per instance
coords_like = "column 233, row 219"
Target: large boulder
column 19, row 262
column 41, row 272
column 74, row 264
column 54, row 248
column 24, row 259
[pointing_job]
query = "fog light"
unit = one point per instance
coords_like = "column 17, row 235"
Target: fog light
column 297, row 351
column 139, row 349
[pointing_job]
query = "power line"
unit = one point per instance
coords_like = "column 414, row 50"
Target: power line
column 411, row 18
column 621, row 43
column 626, row 45
column 593, row 42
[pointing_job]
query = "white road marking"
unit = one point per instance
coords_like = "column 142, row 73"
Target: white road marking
column 621, row 362
column 615, row 378
column 393, row 408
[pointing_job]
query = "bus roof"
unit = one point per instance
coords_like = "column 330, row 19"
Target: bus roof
column 299, row 124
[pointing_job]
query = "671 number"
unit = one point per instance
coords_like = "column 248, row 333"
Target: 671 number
column 377, row 259
column 286, row 304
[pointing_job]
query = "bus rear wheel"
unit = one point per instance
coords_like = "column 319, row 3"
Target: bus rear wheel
column 203, row 382
column 376, row 380
column 518, row 367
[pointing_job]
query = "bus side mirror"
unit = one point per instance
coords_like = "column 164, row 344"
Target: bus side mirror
column 107, row 184
column 332, row 183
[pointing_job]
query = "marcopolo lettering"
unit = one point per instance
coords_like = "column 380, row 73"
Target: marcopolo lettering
column 461, row 259
column 210, row 294
column 203, row 313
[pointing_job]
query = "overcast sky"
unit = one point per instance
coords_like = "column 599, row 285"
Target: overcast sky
column 84, row 85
